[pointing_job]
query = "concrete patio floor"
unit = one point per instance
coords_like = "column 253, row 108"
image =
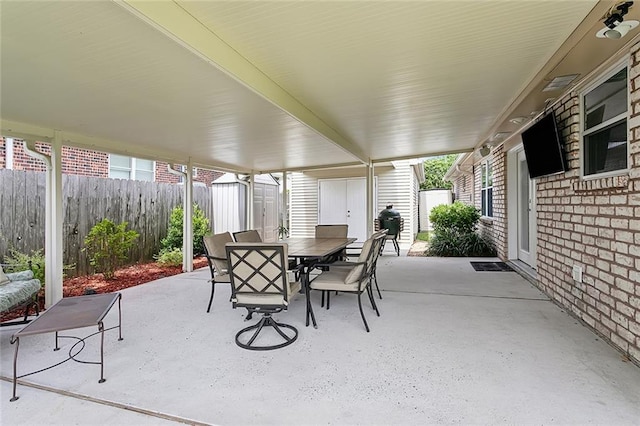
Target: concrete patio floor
column 451, row 346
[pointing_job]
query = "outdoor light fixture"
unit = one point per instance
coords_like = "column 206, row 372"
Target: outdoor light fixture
column 615, row 26
column 518, row 120
column 485, row 150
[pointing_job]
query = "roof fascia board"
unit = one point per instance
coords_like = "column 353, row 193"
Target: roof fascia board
column 319, row 167
column 423, row 155
column 42, row 134
column 174, row 21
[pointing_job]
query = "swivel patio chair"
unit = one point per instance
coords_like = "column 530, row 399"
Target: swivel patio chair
column 260, row 283
column 352, row 277
column 250, row 236
column 217, row 260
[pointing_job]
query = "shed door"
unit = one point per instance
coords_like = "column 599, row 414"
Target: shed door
column 265, row 211
column 344, row 201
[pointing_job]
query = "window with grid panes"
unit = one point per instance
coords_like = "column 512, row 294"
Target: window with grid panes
column 604, row 131
column 487, row 189
column 123, row 167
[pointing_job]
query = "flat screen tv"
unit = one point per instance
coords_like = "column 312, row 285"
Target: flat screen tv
column 543, row 148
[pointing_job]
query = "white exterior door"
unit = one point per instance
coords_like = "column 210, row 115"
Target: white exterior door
column 526, row 213
column 344, row 201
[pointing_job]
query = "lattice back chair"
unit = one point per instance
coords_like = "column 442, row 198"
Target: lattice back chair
column 351, row 277
column 260, row 283
column 250, row 236
column 333, row 231
column 217, row 260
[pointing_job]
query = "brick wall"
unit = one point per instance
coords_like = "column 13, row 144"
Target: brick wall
column 594, row 224
column 205, row 176
column 463, row 188
column 499, row 225
column 76, row 161
column 495, row 227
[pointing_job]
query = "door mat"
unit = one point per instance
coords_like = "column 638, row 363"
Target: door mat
column 491, row 266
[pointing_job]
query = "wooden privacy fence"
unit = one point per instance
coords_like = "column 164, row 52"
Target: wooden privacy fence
column 146, row 206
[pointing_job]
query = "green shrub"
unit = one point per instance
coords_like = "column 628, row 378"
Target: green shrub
column 174, row 233
column 17, row 261
column 455, row 234
column 169, row 257
column 108, row 245
column 476, row 245
column 445, row 243
column 458, row 216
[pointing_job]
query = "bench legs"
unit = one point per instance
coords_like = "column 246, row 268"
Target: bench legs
column 28, row 304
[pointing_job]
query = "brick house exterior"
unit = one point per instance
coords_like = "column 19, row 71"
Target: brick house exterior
column 591, row 223
column 76, row 161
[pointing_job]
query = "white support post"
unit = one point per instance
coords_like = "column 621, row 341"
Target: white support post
column 8, row 153
column 370, row 181
column 250, row 201
column 53, row 218
column 187, row 214
column 187, row 232
column 285, row 206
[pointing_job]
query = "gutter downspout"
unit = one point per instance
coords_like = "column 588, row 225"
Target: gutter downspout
column 187, row 216
column 53, row 217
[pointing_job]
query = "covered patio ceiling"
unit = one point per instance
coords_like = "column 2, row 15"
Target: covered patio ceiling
column 269, row 86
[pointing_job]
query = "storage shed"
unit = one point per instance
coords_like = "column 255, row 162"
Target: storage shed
column 230, row 200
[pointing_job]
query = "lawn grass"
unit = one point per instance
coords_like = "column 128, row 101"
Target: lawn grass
column 423, row 236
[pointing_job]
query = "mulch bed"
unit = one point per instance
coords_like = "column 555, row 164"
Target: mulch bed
column 124, row 278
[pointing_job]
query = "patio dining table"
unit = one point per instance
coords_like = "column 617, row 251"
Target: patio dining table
column 307, row 252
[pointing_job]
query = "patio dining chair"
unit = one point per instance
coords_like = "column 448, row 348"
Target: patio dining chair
column 352, row 277
column 333, row 231
column 250, row 236
column 261, row 283
column 378, row 239
column 217, row 260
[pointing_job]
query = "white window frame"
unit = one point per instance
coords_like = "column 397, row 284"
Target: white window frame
column 132, row 168
column 183, row 169
column 486, row 167
column 624, row 63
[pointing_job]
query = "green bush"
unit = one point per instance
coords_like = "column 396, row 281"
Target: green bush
column 17, row 261
column 476, row 245
column 108, row 245
column 454, row 232
column 169, row 257
column 174, row 234
column 458, row 216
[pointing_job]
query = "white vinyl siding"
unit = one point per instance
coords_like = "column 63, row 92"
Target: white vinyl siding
column 395, row 186
column 303, row 211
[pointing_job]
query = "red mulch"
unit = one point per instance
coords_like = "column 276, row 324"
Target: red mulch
column 125, row 278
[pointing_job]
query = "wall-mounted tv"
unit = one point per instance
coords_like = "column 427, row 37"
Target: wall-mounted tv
column 543, row 148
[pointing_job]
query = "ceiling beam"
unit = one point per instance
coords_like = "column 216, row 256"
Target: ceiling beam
column 172, row 20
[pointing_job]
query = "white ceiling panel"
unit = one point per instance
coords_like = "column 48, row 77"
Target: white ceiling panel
column 274, row 85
